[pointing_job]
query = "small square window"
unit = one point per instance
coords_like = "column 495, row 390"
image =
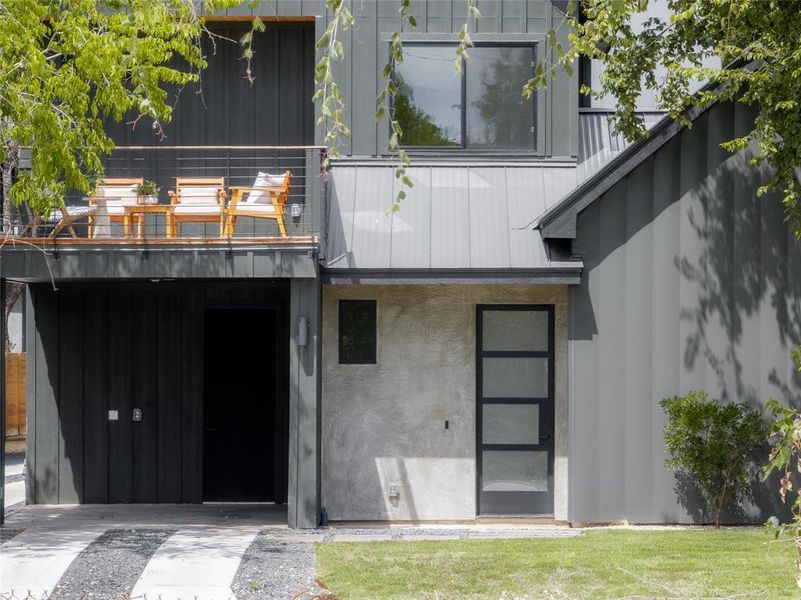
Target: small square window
column 357, row 332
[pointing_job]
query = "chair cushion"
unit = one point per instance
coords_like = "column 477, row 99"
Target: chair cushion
column 254, row 208
column 196, row 209
column 81, row 211
column 264, row 180
column 119, row 195
column 199, row 195
column 73, row 212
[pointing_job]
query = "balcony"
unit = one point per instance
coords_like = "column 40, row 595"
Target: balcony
column 205, row 195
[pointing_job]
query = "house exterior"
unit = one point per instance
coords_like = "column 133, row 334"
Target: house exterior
column 496, row 348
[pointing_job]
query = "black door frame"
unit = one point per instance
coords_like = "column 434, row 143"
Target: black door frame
column 281, row 380
column 546, row 406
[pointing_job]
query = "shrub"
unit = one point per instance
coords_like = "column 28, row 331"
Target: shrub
column 714, row 444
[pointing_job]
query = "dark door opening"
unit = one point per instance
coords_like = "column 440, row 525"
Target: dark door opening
column 244, row 406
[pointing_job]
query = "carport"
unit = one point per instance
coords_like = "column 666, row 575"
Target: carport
column 164, row 374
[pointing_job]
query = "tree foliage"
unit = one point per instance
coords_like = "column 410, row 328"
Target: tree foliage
column 755, row 41
column 714, row 443
column 67, row 65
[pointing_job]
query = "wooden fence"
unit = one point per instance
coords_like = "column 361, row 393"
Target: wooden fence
column 16, row 385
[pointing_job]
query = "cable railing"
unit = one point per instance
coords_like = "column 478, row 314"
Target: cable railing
column 179, row 193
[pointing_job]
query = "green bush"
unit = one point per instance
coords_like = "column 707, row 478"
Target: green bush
column 714, row 444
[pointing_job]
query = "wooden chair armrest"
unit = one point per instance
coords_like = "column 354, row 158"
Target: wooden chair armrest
column 175, row 198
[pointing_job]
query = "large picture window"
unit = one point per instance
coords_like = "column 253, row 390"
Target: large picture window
column 480, row 108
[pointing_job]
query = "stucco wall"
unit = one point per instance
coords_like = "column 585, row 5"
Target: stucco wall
column 385, row 423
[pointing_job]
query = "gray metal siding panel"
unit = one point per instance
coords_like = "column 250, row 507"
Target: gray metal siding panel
column 638, row 341
column 339, row 231
column 689, row 283
column 373, row 196
column 450, row 222
column 489, row 218
column 665, row 354
column 411, row 225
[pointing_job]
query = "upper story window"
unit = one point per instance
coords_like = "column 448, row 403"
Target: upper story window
column 481, row 108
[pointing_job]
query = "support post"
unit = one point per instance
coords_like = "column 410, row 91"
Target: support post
column 303, row 498
column 3, row 345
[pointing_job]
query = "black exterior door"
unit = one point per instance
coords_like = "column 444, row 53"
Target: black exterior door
column 515, row 409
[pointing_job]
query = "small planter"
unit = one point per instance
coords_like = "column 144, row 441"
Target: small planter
column 147, row 193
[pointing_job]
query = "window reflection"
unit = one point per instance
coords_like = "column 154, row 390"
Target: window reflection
column 497, row 113
column 432, row 97
column 428, row 104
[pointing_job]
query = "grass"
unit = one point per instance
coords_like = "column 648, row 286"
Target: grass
column 698, row 563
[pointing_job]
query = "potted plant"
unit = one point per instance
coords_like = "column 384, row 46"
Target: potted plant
column 147, row 192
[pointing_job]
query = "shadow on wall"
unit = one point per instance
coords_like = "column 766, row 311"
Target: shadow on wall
column 725, row 273
column 743, row 264
column 745, row 273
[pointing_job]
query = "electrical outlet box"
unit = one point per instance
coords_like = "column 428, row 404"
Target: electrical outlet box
column 295, row 210
column 137, row 414
column 113, row 415
column 394, row 489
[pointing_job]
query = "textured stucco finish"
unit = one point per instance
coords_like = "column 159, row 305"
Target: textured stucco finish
column 385, row 423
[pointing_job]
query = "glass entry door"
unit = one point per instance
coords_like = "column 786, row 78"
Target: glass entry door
column 515, row 409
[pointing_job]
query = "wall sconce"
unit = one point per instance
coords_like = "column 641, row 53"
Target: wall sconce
column 303, row 331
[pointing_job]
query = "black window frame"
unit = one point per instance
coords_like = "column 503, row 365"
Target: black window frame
column 366, row 360
column 463, row 147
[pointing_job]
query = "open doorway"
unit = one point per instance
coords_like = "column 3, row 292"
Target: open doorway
column 244, row 406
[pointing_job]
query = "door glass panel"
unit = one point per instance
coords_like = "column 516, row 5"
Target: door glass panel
column 516, row 377
column 514, row 471
column 515, row 330
column 510, row 424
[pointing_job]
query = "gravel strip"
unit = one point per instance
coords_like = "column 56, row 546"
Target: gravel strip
column 15, row 478
column 272, row 569
column 109, row 567
column 7, row 534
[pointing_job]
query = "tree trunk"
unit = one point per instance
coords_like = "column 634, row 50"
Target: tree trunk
column 722, row 501
column 8, row 166
column 14, row 290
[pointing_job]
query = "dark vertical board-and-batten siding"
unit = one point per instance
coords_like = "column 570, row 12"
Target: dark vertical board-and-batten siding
column 99, row 347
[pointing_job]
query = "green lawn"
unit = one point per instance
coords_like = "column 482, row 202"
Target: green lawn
column 599, row 564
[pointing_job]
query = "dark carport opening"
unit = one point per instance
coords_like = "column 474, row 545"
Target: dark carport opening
column 245, row 413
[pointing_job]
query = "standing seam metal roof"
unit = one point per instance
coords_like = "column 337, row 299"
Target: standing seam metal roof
column 460, row 217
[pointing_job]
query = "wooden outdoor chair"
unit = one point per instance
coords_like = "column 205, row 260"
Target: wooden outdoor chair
column 67, row 215
column 114, row 194
column 59, row 219
column 265, row 199
column 198, row 200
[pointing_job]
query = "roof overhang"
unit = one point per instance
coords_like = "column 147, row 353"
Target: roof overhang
column 69, row 262
column 567, row 273
column 559, row 221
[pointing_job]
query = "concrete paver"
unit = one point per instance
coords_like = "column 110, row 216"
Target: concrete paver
column 35, row 559
column 198, row 563
column 14, row 493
